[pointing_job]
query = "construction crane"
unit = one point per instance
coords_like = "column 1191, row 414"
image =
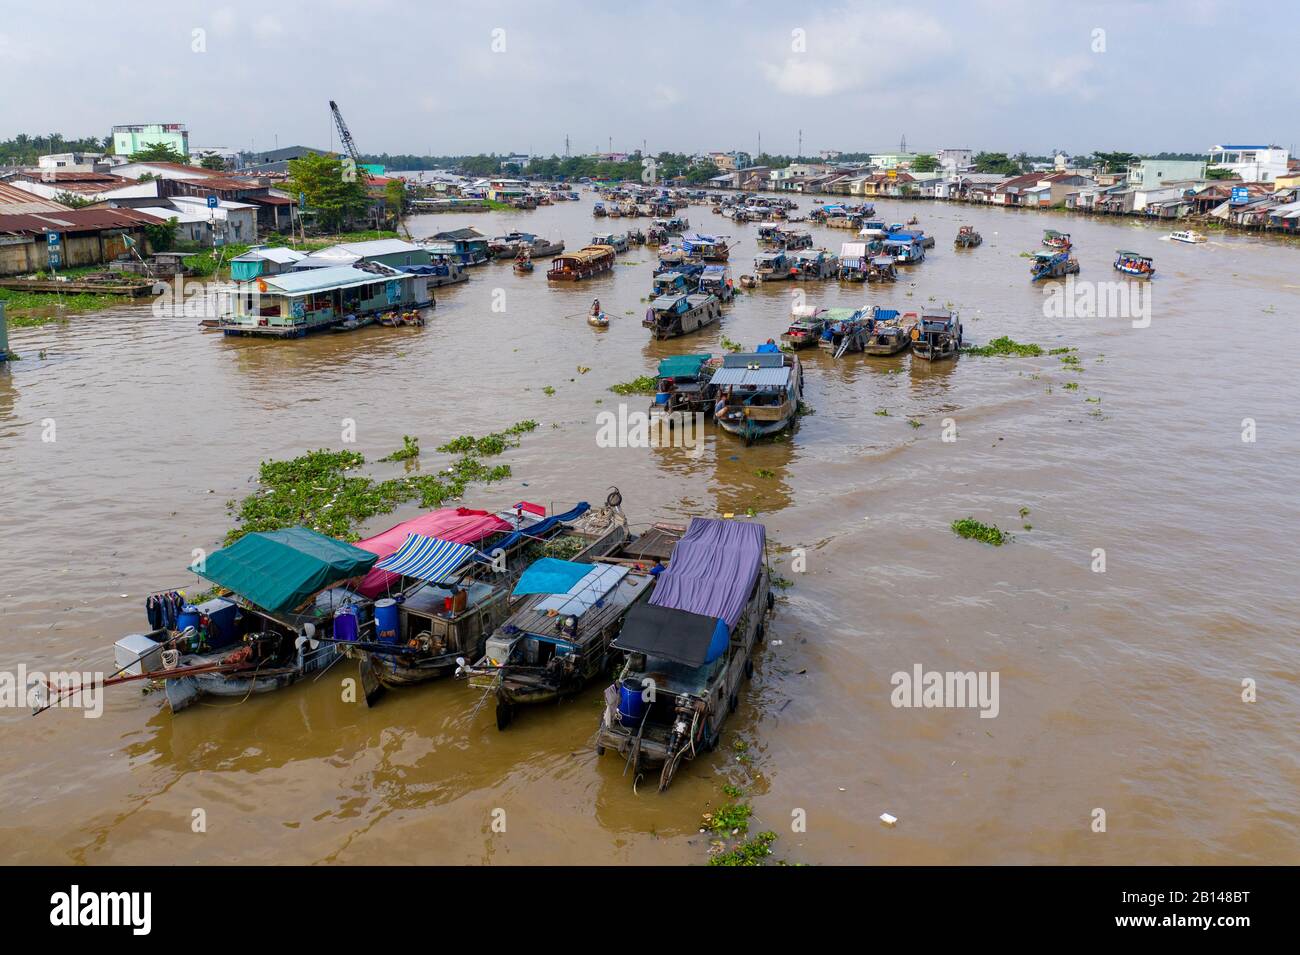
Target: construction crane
column 346, row 136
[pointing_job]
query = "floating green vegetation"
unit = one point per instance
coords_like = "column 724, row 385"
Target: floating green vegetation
column 751, row 852
column 1061, row 351
column 729, row 345
column 1024, row 512
column 315, row 489
column 1070, row 359
column 733, row 792
column 915, row 424
column 410, row 449
column 1095, row 401
column 548, row 391
column 882, row 412
column 644, row 385
column 782, row 583
column 33, row 309
column 1071, row 386
column 764, row 473
column 973, row 529
column 1005, row 346
column 804, row 408
column 731, row 818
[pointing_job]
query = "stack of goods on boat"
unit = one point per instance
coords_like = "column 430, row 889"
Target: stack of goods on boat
column 671, row 315
column 693, row 641
column 757, row 394
column 683, row 385
column 967, row 238
column 1134, row 263
column 938, row 334
column 582, row 264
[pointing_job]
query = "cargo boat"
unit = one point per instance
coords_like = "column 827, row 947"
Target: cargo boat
column 682, row 386
column 757, row 394
column 806, row 328
column 772, row 267
column 937, row 335
column 671, row 315
column 888, row 331
column 583, row 264
column 689, row 649
column 716, row 280
column 1052, row 265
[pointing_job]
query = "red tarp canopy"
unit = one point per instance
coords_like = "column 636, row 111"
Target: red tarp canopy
column 457, row 524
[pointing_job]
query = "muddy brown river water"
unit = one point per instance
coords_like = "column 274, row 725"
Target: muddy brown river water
column 1119, row 690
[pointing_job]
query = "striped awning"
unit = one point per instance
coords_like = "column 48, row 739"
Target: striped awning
column 584, row 594
column 427, row 558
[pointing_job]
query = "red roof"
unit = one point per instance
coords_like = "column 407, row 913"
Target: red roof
column 76, row 220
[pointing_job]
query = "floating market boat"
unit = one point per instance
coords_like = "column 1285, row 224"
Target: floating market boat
column 854, row 262
column 511, row 244
column 792, row 240
column 772, row 267
column 523, row 263
column 1052, row 265
column 905, row 250
column 615, row 240
column 716, row 280
column 689, row 649
column 558, row 639
column 672, row 225
column 937, row 334
column 670, row 283
column 1056, row 240
column 881, row 269
column 806, row 328
column 770, row 233
column 1134, row 263
column 888, row 331
column 683, row 386
column 811, row 264
column 287, row 589
column 598, row 210
column 671, row 315
column 583, row 264
column 845, row 331
column 706, row 248
column 967, row 238
column 757, row 394
column 1188, row 235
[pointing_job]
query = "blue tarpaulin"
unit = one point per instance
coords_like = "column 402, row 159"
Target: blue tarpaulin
column 549, row 575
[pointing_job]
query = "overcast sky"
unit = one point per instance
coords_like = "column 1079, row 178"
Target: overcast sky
column 466, row 77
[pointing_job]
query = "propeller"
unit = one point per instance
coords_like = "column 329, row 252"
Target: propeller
column 308, row 636
column 460, row 665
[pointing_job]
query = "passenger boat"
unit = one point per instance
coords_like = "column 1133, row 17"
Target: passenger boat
column 845, row 331
column 287, row 590
column 1188, row 235
column 558, row 638
column 689, row 648
column 811, row 264
column 706, row 248
column 1134, row 263
column 757, row 394
column 442, row 584
column 583, row 264
column 716, row 280
column 967, row 238
column 888, row 331
column 771, row 267
column 671, row 315
column 1052, row 265
column 295, row 304
column 881, row 269
column 937, row 334
column 615, row 240
column 873, row 229
column 1056, row 240
column 806, row 328
column 682, row 386
column 598, row 210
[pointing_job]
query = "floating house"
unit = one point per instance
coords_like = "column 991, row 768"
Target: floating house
column 464, row 246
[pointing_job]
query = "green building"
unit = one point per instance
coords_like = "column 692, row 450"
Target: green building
column 129, row 140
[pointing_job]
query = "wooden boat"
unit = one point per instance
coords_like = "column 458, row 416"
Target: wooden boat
column 1052, row 265
column 772, row 267
column 812, row 264
column 854, row 262
column 582, row 264
column 598, row 210
column 882, row 269
column 682, row 386
column 597, row 317
column 286, row 589
column 770, row 233
column 1188, row 235
column 905, row 249
column 845, row 331
column 523, row 263
column 888, row 331
column 671, row 315
column 1134, row 263
column 510, row 245
column 967, row 238
column 716, row 280
column 692, row 646
column 558, row 639
column 411, row 318
column 352, row 323
column 706, row 248
column 806, row 328
column 792, row 240
column 1056, row 240
column 615, row 240
column 913, row 221
column 937, row 335
column 748, row 281
column 757, row 394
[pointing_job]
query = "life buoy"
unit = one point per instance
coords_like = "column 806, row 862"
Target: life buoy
column 916, row 334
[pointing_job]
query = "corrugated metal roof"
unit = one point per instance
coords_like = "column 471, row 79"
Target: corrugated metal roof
column 316, row 280
column 15, row 201
column 759, row 377
column 77, row 220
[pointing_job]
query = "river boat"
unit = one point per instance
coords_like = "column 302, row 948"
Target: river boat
column 967, row 238
column 937, row 335
column 585, row 263
column 671, row 315
column 1052, row 265
column 757, row 394
column 1134, row 263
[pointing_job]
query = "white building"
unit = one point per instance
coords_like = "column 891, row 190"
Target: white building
column 1251, row 163
column 74, row 162
column 955, row 160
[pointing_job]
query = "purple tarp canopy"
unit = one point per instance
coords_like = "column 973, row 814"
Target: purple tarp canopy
column 713, row 569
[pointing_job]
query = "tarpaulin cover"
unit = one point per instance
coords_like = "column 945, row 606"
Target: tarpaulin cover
column 427, row 558
column 457, row 524
column 678, row 635
column 681, row 366
column 531, row 508
column 587, row 592
column 713, row 569
column 550, row 575
column 279, row 570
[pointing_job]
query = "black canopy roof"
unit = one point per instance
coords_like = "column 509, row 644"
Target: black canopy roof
column 664, row 632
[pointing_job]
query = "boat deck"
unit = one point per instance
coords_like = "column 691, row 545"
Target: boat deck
column 542, row 623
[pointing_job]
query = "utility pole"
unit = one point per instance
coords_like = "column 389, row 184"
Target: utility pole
column 799, row 152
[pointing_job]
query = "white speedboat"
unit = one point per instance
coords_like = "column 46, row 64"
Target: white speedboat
column 1188, row 235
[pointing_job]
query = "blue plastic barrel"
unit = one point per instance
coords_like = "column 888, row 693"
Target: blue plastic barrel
column 345, row 624
column 188, row 617
column 631, row 705
column 386, row 620
column 661, row 398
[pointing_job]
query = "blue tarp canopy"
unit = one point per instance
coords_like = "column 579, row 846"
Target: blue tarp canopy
column 550, row 575
column 427, row 558
column 586, row 592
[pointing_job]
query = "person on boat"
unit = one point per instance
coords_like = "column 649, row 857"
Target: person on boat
column 658, row 568
column 595, row 307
